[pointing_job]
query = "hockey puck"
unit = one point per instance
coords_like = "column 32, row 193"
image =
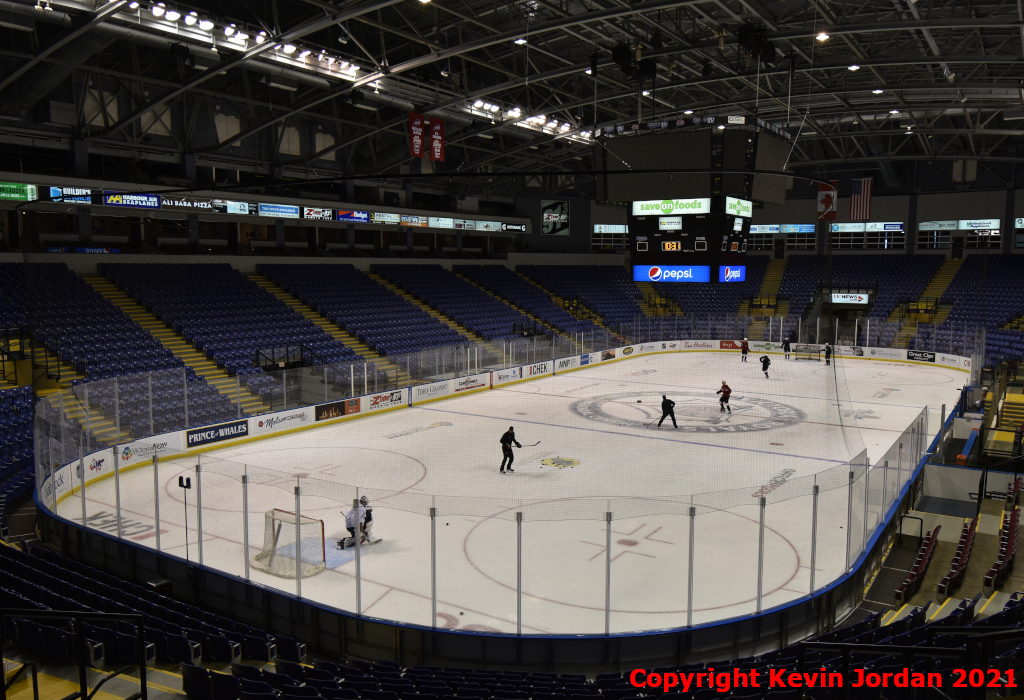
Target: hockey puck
column 639, row 401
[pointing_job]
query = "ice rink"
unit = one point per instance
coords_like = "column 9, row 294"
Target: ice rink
column 596, row 455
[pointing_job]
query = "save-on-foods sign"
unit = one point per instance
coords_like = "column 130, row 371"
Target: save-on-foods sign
column 672, row 206
column 738, row 207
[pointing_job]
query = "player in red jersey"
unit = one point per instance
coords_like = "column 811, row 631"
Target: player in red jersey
column 723, row 402
column 744, row 349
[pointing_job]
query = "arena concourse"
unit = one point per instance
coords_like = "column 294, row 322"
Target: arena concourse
column 441, row 349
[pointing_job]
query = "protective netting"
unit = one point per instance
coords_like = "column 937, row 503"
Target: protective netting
column 289, row 539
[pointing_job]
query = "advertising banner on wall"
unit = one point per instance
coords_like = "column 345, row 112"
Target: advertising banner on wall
column 921, row 355
column 387, row 399
column 144, row 450
column 884, row 353
column 282, row 420
column 554, row 218
column 224, row 206
column 317, row 213
column 565, row 364
column 197, row 437
column 82, row 195
column 178, row 203
column 336, row 409
column 279, row 211
column 435, row 390
column 698, row 345
column 17, row 192
column 501, row 376
column 473, row 381
column 667, row 207
column 538, row 369
column 137, row 201
column 357, row 217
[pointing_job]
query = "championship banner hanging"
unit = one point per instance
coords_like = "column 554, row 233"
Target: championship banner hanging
column 416, row 144
column 827, row 200
column 436, row 139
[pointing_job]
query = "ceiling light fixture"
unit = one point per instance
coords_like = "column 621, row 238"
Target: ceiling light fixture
column 478, row 104
column 261, row 37
column 646, row 93
column 721, row 127
column 191, row 18
column 133, row 6
column 822, row 36
column 853, row 67
column 172, row 15
column 894, row 111
column 229, row 30
column 158, row 9
column 240, row 37
column 878, row 91
column 688, row 111
column 305, row 53
column 588, row 71
column 206, row 25
column 520, row 41
column 289, row 48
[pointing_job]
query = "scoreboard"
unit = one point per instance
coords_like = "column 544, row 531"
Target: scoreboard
column 686, row 240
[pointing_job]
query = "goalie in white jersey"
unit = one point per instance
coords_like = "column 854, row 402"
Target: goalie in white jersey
column 365, row 520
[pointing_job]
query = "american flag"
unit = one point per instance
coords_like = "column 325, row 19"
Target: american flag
column 860, row 199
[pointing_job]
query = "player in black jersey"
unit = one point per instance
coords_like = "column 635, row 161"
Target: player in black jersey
column 507, row 440
column 667, row 405
column 765, row 363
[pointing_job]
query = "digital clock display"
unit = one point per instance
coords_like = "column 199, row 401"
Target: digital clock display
column 671, row 246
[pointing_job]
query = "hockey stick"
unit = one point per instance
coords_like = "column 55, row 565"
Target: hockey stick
column 534, row 444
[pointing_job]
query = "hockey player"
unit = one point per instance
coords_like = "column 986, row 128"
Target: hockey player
column 667, row 405
column 785, row 347
column 828, row 354
column 744, row 349
column 723, row 403
column 507, row 440
column 765, row 363
column 365, row 520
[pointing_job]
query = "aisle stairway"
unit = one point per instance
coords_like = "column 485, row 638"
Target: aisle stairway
column 772, row 279
column 769, row 290
column 226, row 385
column 347, row 339
column 934, row 290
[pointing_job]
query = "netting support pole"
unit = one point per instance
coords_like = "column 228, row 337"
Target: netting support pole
column 117, row 463
column 352, row 388
column 899, row 470
column 608, row 573
column 799, row 328
column 238, row 395
column 245, row 520
column 81, row 490
column 156, row 499
column 856, row 330
column 867, row 498
column 152, row 427
column 298, row 540
column 814, row 532
column 760, row 554
column 689, row 569
column 284, row 389
column 849, row 519
column 184, row 396
column 366, row 383
column 433, row 567
column 359, row 571
column 199, row 507
column 867, row 335
column 885, row 489
column 85, row 397
column 325, row 384
column 519, row 573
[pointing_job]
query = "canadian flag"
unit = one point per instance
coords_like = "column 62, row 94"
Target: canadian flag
column 827, row 197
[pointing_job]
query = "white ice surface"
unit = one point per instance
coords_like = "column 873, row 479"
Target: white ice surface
column 643, row 475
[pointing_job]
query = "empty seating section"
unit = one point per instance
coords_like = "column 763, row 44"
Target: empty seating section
column 16, row 443
column 387, row 323
column 13, row 309
column 717, row 299
column 386, row 680
column 505, row 283
column 179, row 400
column 952, row 580
column 1003, row 564
column 85, row 330
column 906, row 590
column 896, row 278
column 987, row 290
column 177, row 632
column 604, row 289
column 223, row 314
column 468, row 305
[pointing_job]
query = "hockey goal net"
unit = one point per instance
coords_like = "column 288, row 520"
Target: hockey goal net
column 808, row 352
column 289, row 540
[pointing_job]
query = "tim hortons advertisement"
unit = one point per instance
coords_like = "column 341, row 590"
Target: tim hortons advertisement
column 566, row 363
column 336, row 409
column 921, row 355
column 285, row 420
column 473, row 381
column 388, row 399
column 540, row 368
column 512, row 374
column 425, row 392
column 197, row 437
column 144, row 450
column 698, row 345
column 884, row 353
